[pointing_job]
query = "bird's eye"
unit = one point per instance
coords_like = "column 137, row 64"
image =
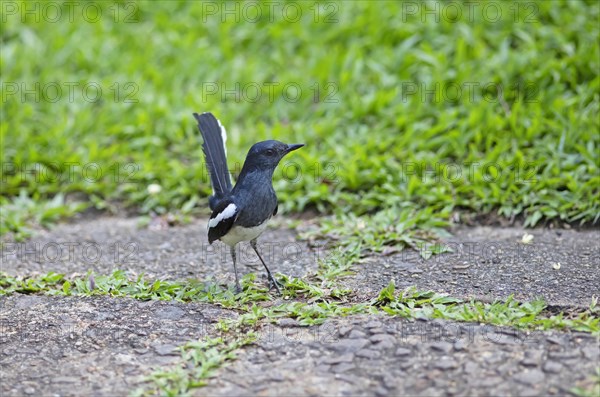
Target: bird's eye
column 270, row 152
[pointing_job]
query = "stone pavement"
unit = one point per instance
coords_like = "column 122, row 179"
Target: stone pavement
column 105, row 346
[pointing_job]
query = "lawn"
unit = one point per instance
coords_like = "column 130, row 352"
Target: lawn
column 406, row 113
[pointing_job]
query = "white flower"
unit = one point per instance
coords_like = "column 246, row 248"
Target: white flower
column 154, row 188
column 527, row 238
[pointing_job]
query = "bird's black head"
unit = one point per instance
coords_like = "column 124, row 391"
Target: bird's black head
column 267, row 154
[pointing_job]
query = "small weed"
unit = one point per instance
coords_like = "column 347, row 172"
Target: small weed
column 397, row 227
column 22, row 213
column 199, row 361
column 592, row 390
column 320, row 305
column 411, row 303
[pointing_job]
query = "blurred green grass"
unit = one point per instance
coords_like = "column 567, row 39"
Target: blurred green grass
column 377, row 136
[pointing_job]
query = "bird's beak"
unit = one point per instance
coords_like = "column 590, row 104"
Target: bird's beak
column 291, row 148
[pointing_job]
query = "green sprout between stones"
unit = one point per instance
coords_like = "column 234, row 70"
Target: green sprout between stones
column 313, row 305
column 199, row 362
column 592, row 389
column 412, row 303
column 391, row 229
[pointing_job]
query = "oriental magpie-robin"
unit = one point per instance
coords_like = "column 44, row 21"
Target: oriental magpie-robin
column 240, row 213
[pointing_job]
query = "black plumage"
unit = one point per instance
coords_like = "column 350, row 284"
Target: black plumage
column 214, row 136
column 240, row 213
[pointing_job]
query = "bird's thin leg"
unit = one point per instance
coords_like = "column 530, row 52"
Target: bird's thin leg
column 272, row 280
column 238, row 289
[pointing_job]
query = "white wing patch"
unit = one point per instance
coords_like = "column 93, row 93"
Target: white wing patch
column 223, row 135
column 224, row 139
column 228, row 212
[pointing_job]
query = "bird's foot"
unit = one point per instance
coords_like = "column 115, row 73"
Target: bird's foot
column 237, row 289
column 275, row 284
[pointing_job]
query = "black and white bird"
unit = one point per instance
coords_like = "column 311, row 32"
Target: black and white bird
column 240, row 213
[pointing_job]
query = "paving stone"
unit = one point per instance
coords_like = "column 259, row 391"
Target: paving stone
column 494, row 357
column 401, row 351
column 405, row 363
column 346, row 377
column 276, row 377
column 552, row 367
column 384, row 345
column 530, row 377
column 170, row 313
column 471, row 367
column 555, row 340
column 357, row 334
column 166, row 350
column 565, row 355
column 532, row 359
column 445, row 364
column 390, row 381
column 501, row 339
column 442, row 346
column 368, row 353
column 344, row 358
column 373, row 324
column 487, row 381
column 529, row 392
column 382, row 338
column 343, row 367
column 348, row 345
column 343, row 331
column 461, row 344
column 591, row 352
column 288, row 322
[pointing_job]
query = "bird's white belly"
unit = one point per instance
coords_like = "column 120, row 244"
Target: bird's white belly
column 239, row 233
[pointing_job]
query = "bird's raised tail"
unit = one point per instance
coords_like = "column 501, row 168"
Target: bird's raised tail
column 215, row 154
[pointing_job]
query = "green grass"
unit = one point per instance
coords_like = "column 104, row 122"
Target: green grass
column 311, row 301
column 373, row 143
